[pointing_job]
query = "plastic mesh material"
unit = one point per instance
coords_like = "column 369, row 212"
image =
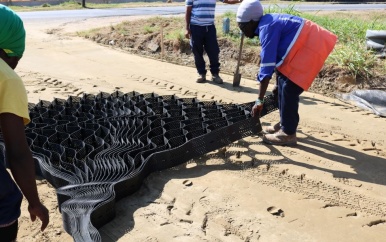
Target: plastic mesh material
column 96, row 149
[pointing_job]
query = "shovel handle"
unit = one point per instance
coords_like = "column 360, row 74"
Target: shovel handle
column 240, row 49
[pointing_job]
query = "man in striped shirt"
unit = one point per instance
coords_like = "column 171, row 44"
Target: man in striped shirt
column 201, row 31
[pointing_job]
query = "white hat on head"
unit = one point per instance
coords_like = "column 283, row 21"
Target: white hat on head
column 249, row 10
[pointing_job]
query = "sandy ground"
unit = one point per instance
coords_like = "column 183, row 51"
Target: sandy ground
column 331, row 187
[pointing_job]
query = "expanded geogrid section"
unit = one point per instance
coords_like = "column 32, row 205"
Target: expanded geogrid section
column 96, row 149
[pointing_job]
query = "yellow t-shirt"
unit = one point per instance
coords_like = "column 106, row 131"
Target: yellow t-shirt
column 13, row 96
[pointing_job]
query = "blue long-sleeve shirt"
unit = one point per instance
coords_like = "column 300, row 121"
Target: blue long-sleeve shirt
column 277, row 34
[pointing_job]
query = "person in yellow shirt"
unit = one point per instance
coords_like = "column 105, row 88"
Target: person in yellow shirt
column 13, row 143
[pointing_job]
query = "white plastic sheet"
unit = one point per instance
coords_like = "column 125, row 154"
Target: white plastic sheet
column 373, row 100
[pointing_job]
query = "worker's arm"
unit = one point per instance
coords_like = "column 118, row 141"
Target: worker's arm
column 188, row 15
column 22, row 165
column 263, row 85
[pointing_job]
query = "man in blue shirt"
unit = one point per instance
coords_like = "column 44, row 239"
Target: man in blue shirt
column 200, row 28
column 294, row 48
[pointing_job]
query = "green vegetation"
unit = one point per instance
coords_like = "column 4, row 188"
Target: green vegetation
column 74, row 4
column 150, row 29
column 177, row 34
column 350, row 53
column 77, row 4
column 68, row 5
column 121, row 29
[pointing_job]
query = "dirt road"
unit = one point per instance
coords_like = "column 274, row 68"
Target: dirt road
column 331, row 187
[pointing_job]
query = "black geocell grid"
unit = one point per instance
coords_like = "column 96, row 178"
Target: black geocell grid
column 97, row 149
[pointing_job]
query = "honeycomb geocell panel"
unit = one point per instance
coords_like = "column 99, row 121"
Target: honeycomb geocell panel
column 96, row 149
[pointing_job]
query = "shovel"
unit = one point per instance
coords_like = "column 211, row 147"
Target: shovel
column 237, row 75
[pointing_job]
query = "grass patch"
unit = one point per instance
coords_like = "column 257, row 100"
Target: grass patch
column 150, row 29
column 177, row 34
column 76, row 4
column 72, row 4
column 350, row 52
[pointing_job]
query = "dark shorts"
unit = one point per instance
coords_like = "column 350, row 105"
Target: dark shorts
column 8, row 234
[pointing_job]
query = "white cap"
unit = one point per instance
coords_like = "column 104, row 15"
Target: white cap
column 249, row 10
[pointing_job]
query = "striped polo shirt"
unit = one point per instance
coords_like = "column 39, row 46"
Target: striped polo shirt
column 202, row 11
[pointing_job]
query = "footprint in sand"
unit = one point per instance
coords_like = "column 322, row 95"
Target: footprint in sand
column 38, row 90
column 187, row 183
column 330, row 205
column 376, row 222
column 368, row 145
column 365, row 145
column 276, row 211
column 352, row 214
column 170, row 206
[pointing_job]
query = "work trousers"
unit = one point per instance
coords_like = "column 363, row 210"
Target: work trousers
column 9, row 233
column 205, row 38
column 288, row 96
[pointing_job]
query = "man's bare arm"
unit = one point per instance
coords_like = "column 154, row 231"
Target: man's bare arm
column 22, row 165
column 188, row 15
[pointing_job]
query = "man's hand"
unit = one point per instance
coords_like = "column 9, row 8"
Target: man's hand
column 257, row 108
column 41, row 212
column 187, row 33
column 275, row 90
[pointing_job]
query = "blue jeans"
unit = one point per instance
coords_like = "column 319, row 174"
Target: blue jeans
column 288, row 93
column 205, row 38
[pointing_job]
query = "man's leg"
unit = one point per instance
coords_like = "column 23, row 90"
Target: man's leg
column 212, row 49
column 197, row 47
column 289, row 94
column 276, row 127
column 9, row 233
